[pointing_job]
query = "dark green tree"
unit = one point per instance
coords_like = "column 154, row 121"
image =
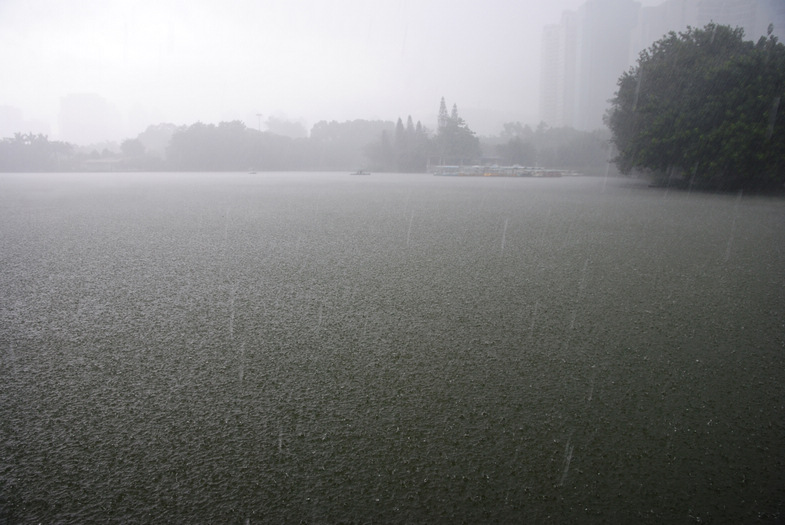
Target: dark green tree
column 156, row 137
column 31, row 152
column 444, row 117
column 382, row 154
column 400, row 136
column 414, row 155
column 287, row 128
column 135, row 156
column 516, row 151
column 407, row 152
column 132, row 148
column 702, row 107
column 455, row 143
column 516, row 129
column 346, row 145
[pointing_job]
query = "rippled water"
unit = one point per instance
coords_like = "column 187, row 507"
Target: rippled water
column 232, row 348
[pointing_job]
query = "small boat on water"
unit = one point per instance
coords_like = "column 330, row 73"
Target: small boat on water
column 360, row 172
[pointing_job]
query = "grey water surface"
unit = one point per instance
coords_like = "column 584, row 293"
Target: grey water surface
column 321, row 348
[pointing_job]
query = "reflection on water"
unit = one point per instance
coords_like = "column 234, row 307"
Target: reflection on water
column 406, row 348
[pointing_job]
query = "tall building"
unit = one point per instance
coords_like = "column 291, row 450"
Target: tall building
column 587, row 51
column 582, row 57
column 655, row 22
column 12, row 121
column 604, row 29
column 754, row 16
column 558, row 68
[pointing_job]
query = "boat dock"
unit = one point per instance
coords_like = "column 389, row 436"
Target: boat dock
column 498, row 171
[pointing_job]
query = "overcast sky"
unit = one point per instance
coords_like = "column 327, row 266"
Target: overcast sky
column 184, row 61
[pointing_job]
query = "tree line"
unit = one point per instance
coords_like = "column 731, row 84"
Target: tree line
column 700, row 108
column 358, row 144
column 34, row 152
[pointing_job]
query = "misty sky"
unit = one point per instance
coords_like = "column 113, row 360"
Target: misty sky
column 184, row 61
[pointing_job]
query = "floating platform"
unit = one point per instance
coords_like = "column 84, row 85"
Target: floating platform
column 498, row 171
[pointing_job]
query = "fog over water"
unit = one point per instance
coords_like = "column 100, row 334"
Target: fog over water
column 317, row 347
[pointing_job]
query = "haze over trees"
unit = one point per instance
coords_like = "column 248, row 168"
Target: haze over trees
column 359, row 144
column 34, row 152
column 704, row 107
column 404, row 149
column 562, row 148
column 229, row 146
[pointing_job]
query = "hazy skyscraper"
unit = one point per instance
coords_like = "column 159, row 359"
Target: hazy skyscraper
column 754, row 16
column 12, row 121
column 584, row 55
column 557, row 72
column 604, row 29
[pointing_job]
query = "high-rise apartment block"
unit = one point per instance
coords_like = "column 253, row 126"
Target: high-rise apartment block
column 558, row 64
column 587, row 51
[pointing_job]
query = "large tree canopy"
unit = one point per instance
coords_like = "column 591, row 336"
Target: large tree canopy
column 704, row 106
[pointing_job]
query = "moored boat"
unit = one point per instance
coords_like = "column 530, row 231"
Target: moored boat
column 497, row 171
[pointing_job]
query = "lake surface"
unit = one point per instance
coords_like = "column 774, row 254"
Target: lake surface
column 322, row 348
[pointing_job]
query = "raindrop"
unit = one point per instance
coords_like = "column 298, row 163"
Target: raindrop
column 534, row 317
column 567, row 459
column 582, row 284
column 694, row 173
column 775, row 104
column 733, row 226
column 504, row 234
column 242, row 361
column 231, row 314
column 591, row 386
column 607, row 171
column 409, row 232
column 637, row 90
column 226, row 225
